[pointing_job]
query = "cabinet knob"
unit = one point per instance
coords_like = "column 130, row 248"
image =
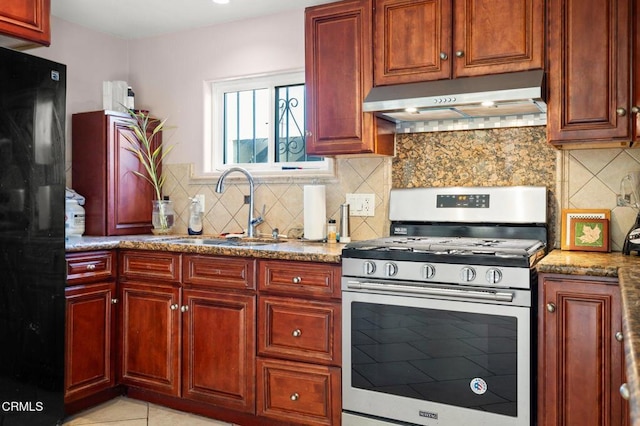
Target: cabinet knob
column 91, row 267
column 184, row 308
column 619, row 336
column 444, row 56
column 296, row 333
column 551, row 307
column 635, row 109
column 294, row 396
column 114, row 301
column 460, row 53
column 174, row 307
column 621, row 112
column 308, row 133
column 296, row 280
column 624, row 391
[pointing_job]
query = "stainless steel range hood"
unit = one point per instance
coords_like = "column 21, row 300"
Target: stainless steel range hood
column 486, row 96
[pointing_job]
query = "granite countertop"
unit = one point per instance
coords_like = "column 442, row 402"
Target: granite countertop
column 627, row 270
column 299, row 250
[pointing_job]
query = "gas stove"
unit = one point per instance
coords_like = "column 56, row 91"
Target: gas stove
column 473, row 236
column 481, row 251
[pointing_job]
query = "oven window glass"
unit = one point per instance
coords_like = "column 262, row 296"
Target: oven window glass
column 456, row 358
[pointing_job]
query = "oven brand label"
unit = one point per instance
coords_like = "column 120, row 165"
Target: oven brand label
column 478, row 386
column 428, row 414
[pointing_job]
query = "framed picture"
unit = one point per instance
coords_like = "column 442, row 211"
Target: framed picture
column 569, row 214
column 589, row 234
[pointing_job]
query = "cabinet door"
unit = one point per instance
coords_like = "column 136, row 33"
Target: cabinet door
column 412, row 41
column 497, row 36
column 26, row 19
column 339, row 74
column 589, row 72
column 581, row 361
column 219, row 349
column 150, row 337
column 130, row 195
column 89, row 338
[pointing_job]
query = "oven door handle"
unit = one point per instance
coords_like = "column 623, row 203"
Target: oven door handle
column 500, row 296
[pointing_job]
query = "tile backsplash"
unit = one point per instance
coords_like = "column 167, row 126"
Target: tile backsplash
column 509, row 156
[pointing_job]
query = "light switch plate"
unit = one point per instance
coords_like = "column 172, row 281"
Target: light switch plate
column 361, row 204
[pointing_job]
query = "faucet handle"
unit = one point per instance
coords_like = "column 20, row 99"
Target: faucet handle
column 258, row 220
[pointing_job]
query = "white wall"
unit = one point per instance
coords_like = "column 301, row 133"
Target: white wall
column 91, row 58
column 168, row 73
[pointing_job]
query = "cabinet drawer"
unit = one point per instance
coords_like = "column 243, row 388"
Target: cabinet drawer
column 297, row 392
column 162, row 266
column 90, row 266
column 302, row 278
column 225, row 272
column 300, row 329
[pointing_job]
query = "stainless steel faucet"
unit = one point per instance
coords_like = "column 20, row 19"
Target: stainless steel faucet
column 251, row 222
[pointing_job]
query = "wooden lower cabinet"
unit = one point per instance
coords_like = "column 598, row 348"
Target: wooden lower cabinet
column 218, row 349
column 299, row 342
column 299, row 392
column 90, row 329
column 150, row 336
column 581, row 355
column 89, row 337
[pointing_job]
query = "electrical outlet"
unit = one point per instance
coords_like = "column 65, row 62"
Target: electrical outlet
column 361, row 204
column 200, row 198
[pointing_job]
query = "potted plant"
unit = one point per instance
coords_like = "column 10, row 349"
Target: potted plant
column 150, row 153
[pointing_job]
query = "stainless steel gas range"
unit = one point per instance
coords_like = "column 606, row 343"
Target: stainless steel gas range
column 438, row 318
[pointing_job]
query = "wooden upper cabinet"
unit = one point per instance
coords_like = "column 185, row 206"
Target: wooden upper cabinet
column 27, row 20
column 497, row 36
column 412, row 41
column 339, row 74
column 590, row 87
column 118, row 202
column 420, row 40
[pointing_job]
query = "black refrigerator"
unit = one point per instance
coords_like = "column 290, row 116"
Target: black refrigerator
column 32, row 240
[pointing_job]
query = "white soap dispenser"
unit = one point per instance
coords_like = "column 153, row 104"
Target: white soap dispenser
column 195, row 217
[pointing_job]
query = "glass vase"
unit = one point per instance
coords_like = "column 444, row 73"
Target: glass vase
column 162, row 217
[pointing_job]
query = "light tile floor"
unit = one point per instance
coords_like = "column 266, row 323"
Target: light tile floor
column 123, row 411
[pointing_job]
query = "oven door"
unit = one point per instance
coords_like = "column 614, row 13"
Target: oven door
column 435, row 360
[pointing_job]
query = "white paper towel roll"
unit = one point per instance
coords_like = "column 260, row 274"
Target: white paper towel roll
column 315, row 212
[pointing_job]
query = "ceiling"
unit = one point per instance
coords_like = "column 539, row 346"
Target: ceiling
column 132, row 19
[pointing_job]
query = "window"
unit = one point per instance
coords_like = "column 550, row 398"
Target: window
column 258, row 123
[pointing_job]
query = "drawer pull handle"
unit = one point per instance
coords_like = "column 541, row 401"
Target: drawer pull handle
column 91, row 267
column 295, row 396
column 551, row 307
column 184, row 308
column 114, row 301
column 296, row 333
column 296, row 280
column 619, row 336
column 174, row 307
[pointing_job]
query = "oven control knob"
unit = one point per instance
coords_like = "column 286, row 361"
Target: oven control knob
column 467, row 274
column 494, row 275
column 390, row 269
column 368, row 267
column 428, row 271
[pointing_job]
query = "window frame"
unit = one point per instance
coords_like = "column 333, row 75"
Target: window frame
column 214, row 127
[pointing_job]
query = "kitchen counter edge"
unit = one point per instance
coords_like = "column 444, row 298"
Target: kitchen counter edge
column 285, row 250
column 627, row 270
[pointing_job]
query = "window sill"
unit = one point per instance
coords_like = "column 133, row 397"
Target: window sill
column 301, row 176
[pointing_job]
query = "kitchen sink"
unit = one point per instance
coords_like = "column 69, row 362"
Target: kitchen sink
column 228, row 242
